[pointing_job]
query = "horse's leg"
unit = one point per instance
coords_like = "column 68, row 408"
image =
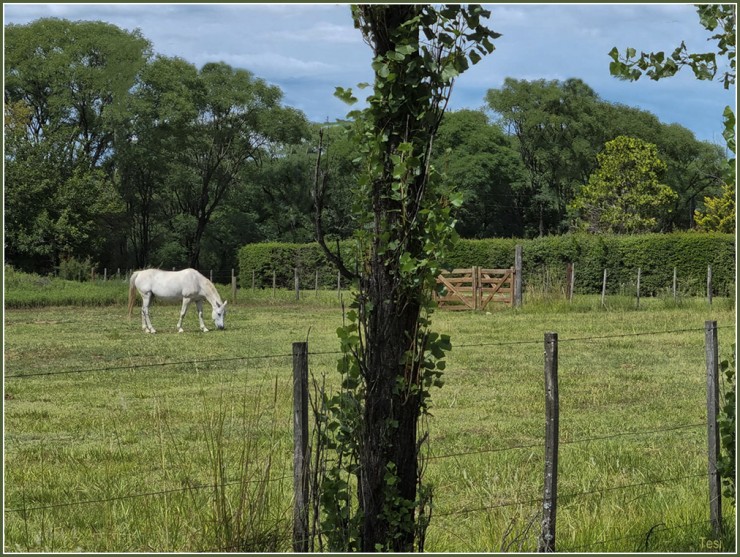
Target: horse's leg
column 199, row 305
column 183, row 311
column 146, row 323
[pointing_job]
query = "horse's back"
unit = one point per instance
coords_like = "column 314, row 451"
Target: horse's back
column 171, row 285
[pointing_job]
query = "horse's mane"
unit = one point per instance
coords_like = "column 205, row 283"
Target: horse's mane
column 213, row 291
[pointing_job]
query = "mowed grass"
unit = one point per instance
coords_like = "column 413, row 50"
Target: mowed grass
column 120, row 441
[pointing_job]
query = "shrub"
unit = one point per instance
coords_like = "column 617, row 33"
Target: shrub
column 621, row 255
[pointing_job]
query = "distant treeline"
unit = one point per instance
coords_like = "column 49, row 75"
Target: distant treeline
column 123, row 158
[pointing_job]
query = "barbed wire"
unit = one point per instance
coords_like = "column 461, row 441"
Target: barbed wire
column 539, row 498
column 569, row 442
column 195, row 487
column 337, row 352
column 143, row 366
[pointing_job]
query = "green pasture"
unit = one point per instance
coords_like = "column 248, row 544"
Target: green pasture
column 120, row 441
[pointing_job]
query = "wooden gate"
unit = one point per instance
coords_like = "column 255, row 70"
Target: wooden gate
column 475, row 288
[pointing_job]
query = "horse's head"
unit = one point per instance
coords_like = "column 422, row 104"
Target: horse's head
column 218, row 314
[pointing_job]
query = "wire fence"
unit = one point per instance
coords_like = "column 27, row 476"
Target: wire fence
column 531, row 499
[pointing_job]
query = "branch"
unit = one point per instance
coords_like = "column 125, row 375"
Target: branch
column 319, row 189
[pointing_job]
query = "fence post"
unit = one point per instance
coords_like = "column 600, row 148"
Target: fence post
column 675, row 283
column 518, row 276
column 476, row 287
column 254, row 278
column 233, row 287
column 300, row 447
column 317, row 283
column 603, row 289
column 297, row 285
column 709, row 284
column 570, row 279
column 546, row 543
column 715, row 482
column 639, row 272
column 105, row 274
column 339, row 284
column 274, row 280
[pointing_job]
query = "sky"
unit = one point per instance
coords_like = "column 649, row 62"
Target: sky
column 309, row 49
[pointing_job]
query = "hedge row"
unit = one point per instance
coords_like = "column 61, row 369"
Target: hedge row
column 656, row 254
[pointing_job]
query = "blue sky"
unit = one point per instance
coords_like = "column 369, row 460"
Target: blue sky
column 309, row 49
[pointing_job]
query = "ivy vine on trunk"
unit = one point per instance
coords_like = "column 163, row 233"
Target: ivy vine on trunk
column 405, row 226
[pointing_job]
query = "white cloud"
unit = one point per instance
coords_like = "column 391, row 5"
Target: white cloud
column 269, row 65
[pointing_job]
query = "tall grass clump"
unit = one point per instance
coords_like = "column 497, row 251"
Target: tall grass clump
column 24, row 290
column 249, row 509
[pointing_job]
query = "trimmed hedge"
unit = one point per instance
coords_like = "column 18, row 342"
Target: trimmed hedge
column 656, row 254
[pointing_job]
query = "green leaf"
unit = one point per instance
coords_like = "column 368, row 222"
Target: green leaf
column 345, row 95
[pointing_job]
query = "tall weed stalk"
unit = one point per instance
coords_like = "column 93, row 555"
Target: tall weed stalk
column 249, row 511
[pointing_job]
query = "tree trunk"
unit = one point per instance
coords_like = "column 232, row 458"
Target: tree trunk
column 390, row 417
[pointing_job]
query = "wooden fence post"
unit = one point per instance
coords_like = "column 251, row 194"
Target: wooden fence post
column 518, row 276
column 233, row 287
column 570, row 280
column 317, row 283
column 709, row 284
column 475, row 285
column 715, row 481
column 105, row 274
column 546, row 543
column 210, row 276
column 274, row 280
column 301, row 457
column 639, row 271
column 254, row 279
column 603, row 289
column 339, row 284
column 675, row 283
column 297, row 285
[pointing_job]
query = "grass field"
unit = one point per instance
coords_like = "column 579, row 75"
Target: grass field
column 120, row 441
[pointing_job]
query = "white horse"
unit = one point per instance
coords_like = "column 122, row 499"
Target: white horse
column 187, row 285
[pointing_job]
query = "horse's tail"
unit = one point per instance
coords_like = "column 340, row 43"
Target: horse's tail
column 132, row 294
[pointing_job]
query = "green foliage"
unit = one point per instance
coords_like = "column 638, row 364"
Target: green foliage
column 727, row 429
column 624, row 194
column 719, row 212
column 656, row 254
column 73, row 269
column 72, row 80
column 265, row 258
column 658, row 65
column 486, row 169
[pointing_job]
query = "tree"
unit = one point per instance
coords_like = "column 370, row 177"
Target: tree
column 158, row 111
column 481, row 160
column 71, row 78
column 624, row 194
column 192, row 139
column 719, row 212
column 556, row 125
column 238, row 116
column 656, row 65
column 403, row 213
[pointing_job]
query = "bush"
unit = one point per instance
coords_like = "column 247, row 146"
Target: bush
column 281, row 258
column 74, row 269
column 621, row 255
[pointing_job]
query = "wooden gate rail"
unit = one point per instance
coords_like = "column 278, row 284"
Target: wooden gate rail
column 475, row 288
